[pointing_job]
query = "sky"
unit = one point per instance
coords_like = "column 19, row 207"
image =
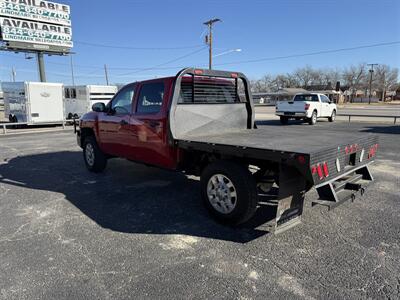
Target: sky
column 142, row 39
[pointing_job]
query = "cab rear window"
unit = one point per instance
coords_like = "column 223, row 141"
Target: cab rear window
column 311, row 98
column 210, row 91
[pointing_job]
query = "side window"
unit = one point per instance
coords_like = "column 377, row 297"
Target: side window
column 325, row 99
column 151, row 98
column 67, row 95
column 122, row 103
column 73, row 93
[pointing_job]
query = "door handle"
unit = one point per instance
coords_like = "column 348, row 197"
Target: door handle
column 123, row 122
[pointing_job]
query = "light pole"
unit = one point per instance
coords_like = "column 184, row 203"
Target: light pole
column 209, row 39
column 227, row 52
column 371, row 71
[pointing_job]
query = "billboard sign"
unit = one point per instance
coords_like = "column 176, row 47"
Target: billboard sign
column 41, row 11
column 16, row 30
column 35, row 25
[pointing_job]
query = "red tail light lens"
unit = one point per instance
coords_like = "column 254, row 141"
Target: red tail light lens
column 198, row 72
column 326, row 170
column 314, row 170
column 319, row 170
column 372, row 151
column 307, row 106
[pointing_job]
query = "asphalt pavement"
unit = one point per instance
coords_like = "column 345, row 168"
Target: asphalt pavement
column 140, row 232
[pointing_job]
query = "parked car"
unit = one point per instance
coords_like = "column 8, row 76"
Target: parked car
column 197, row 122
column 307, row 107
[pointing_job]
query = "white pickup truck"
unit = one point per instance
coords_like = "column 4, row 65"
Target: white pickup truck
column 308, row 107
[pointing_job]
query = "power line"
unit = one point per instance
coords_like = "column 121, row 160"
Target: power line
column 161, row 66
column 136, row 48
column 167, row 62
column 310, row 53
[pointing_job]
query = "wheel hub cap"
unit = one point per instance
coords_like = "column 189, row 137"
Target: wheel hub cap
column 221, row 193
column 89, row 154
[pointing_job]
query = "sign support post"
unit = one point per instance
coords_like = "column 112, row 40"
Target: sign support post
column 42, row 72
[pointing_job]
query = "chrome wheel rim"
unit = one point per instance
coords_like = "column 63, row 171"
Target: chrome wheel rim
column 314, row 117
column 89, row 154
column 222, row 194
column 333, row 116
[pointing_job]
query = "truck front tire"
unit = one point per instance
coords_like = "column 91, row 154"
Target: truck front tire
column 229, row 192
column 332, row 118
column 95, row 160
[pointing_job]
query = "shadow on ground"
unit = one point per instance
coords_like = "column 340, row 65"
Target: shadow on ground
column 128, row 197
column 394, row 129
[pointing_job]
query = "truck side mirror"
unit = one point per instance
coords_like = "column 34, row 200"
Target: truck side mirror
column 99, row 107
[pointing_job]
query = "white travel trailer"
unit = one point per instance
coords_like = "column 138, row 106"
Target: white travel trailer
column 33, row 102
column 79, row 99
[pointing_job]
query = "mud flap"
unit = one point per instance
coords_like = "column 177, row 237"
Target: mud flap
column 292, row 188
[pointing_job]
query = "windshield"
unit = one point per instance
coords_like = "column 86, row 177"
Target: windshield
column 305, row 97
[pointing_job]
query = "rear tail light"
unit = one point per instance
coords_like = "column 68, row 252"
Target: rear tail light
column 351, row 148
column 314, row 170
column 306, row 106
column 372, row 151
column 326, row 170
column 319, row 170
column 198, row 72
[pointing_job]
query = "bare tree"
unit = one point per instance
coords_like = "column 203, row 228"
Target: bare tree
column 331, row 77
column 386, row 79
column 355, row 78
column 262, row 85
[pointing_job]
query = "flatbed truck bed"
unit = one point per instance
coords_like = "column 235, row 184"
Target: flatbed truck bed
column 277, row 138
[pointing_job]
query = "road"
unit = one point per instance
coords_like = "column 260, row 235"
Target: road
column 140, row 232
column 268, row 113
column 391, row 110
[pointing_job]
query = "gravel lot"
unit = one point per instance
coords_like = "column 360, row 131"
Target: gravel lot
column 139, row 232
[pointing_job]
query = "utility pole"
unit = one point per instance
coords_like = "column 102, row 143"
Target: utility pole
column 13, row 74
column 371, row 71
column 72, row 71
column 42, row 73
column 106, row 73
column 209, row 39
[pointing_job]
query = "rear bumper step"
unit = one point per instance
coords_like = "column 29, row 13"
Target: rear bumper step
column 344, row 188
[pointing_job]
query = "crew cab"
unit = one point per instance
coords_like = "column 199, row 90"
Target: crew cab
column 309, row 107
column 201, row 122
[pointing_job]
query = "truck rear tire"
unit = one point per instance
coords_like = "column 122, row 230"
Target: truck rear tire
column 95, row 160
column 313, row 119
column 229, row 192
column 284, row 120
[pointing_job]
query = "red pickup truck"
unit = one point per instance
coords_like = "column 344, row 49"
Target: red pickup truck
column 201, row 122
